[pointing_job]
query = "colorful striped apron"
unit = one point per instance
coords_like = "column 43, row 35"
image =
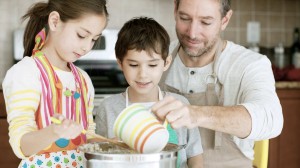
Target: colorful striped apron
column 55, row 98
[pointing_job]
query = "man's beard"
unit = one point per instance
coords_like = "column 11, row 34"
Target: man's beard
column 208, row 47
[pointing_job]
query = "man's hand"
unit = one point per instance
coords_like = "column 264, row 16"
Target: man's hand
column 176, row 112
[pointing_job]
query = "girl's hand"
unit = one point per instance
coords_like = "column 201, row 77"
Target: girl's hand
column 67, row 129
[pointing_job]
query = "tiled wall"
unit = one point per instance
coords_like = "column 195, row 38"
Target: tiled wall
column 10, row 13
column 277, row 19
column 120, row 11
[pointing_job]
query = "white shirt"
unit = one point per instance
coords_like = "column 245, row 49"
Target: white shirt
column 248, row 80
column 22, row 91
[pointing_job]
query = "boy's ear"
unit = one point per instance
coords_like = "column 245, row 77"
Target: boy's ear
column 168, row 62
column 53, row 20
column 120, row 64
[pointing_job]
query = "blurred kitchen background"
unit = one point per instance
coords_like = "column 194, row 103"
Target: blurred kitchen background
column 276, row 21
column 261, row 25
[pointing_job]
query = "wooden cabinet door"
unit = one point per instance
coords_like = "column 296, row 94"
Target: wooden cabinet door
column 2, row 106
column 8, row 159
column 285, row 149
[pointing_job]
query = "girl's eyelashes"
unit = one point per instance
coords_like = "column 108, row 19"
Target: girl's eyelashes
column 83, row 37
column 80, row 36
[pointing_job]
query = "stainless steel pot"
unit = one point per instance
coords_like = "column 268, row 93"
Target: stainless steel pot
column 104, row 154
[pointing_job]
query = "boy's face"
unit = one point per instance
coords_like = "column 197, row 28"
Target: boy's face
column 143, row 71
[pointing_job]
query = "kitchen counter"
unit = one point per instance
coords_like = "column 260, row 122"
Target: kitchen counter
column 279, row 85
column 287, row 85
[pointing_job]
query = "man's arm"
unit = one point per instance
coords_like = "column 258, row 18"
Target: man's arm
column 255, row 112
column 234, row 120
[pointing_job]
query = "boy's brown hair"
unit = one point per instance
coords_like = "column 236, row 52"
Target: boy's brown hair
column 142, row 33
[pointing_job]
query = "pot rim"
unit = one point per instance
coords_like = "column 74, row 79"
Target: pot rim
column 168, row 153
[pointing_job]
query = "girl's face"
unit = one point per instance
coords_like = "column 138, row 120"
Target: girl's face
column 143, row 71
column 71, row 40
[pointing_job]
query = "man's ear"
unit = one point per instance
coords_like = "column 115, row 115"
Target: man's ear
column 225, row 20
column 168, row 62
column 120, row 64
column 53, row 20
column 175, row 9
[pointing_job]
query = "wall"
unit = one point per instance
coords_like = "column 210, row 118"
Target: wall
column 120, row 11
column 277, row 18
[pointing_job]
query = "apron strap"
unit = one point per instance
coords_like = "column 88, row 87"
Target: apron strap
column 214, row 99
column 211, row 90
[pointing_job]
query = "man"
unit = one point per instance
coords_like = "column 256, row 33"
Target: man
column 231, row 89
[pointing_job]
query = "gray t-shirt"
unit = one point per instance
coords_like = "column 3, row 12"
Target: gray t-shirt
column 112, row 106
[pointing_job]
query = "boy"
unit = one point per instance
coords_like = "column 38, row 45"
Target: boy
column 142, row 52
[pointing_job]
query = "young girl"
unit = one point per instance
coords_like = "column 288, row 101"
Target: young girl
column 45, row 83
column 142, row 51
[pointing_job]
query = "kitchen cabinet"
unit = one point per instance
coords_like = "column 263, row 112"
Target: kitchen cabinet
column 284, row 150
column 2, row 106
column 8, row 159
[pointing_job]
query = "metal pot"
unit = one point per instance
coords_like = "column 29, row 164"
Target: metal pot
column 104, row 154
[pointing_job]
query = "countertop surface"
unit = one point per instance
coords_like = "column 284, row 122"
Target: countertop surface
column 288, row 84
column 279, row 85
